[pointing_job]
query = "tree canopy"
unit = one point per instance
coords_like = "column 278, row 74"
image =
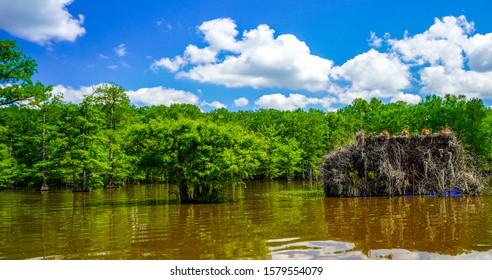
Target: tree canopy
column 16, row 71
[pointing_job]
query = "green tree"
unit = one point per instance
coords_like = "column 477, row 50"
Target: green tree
column 114, row 104
column 16, row 87
column 201, row 157
column 77, row 155
column 486, row 129
column 8, row 164
column 24, row 137
column 16, row 71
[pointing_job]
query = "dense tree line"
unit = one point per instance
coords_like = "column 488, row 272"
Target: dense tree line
column 107, row 142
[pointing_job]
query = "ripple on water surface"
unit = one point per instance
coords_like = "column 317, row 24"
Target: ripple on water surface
column 144, row 222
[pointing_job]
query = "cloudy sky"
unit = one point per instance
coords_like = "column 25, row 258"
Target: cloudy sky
column 257, row 54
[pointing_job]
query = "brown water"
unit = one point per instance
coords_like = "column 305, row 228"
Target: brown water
column 144, row 222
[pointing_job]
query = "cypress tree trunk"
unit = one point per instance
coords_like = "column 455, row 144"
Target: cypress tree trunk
column 310, row 178
column 84, row 169
column 184, row 196
column 111, row 182
column 74, row 178
column 303, row 177
column 44, row 187
column 84, row 180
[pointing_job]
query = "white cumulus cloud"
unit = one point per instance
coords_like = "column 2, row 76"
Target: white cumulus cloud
column 143, row 96
column 161, row 96
column 213, row 104
column 449, row 58
column 371, row 74
column 441, row 44
column 439, row 80
column 196, row 55
column 171, row 65
column 40, row 21
column 407, row 97
column 479, row 52
column 220, row 33
column 73, row 95
column 257, row 59
column 241, row 102
column 292, row 102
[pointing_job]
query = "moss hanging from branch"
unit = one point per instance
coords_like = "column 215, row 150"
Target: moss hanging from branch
column 380, row 165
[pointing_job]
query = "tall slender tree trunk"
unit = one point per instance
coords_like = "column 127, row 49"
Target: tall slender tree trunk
column 111, row 182
column 44, row 187
column 310, row 178
column 184, row 196
column 84, row 168
column 303, row 177
column 84, row 179
column 74, row 178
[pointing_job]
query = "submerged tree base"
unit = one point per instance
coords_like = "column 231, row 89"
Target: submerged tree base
column 379, row 165
column 200, row 195
column 43, row 188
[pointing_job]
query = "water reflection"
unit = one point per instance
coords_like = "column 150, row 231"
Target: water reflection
column 426, row 224
column 145, row 222
column 336, row 250
column 315, row 250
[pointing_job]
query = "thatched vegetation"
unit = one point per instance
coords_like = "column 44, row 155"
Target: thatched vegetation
column 381, row 165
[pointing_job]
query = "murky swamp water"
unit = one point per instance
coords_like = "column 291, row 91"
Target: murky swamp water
column 144, row 222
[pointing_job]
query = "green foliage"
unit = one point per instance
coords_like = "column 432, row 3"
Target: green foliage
column 16, row 70
column 104, row 140
column 354, row 178
column 113, row 105
column 371, row 176
column 8, row 164
column 201, row 157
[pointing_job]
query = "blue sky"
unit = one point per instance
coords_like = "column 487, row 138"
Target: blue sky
column 257, row 54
